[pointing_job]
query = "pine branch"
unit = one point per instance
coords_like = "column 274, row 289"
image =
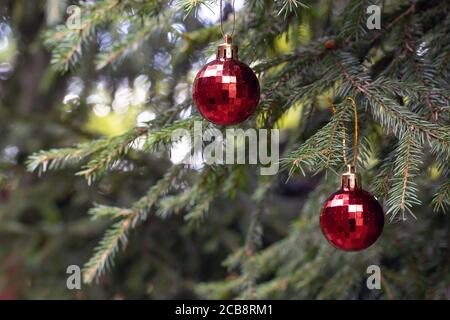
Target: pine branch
column 291, row 6
column 410, row 10
column 389, row 113
column 55, row 159
column 196, row 200
column 106, row 250
column 252, row 243
column 106, row 152
column 403, row 193
column 322, row 150
column 300, row 80
column 202, row 204
column 58, row 158
column 382, row 180
column 126, row 45
column 219, row 289
column 109, row 246
column 353, row 24
column 67, row 43
column 104, row 159
column 441, row 199
column 189, row 6
column 151, row 20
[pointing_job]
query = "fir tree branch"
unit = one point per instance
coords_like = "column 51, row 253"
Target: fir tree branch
column 58, row 158
column 390, row 114
column 353, row 24
column 403, row 192
column 105, row 252
column 189, row 6
column 441, row 199
column 322, row 150
column 291, row 6
column 142, row 28
column 252, row 243
column 382, row 180
column 66, row 43
column 106, row 152
column 196, row 200
column 123, row 47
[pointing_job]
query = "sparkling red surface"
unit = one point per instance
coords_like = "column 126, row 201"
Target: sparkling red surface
column 226, row 91
column 351, row 220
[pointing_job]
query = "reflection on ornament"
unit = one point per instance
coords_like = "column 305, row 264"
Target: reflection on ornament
column 226, row 91
column 351, row 218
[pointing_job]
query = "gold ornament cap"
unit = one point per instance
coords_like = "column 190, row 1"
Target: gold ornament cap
column 227, row 50
column 350, row 180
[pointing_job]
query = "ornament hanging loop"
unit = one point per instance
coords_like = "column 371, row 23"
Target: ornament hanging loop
column 227, row 50
column 221, row 22
column 350, row 180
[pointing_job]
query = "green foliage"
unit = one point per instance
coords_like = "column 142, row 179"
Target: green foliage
column 67, row 43
column 128, row 218
column 398, row 77
column 441, row 200
column 320, row 151
column 105, row 153
column 403, row 192
column 290, row 6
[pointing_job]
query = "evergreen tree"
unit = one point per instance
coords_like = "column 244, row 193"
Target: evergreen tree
column 224, row 231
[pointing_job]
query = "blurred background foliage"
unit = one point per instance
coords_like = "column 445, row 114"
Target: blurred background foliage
column 44, row 225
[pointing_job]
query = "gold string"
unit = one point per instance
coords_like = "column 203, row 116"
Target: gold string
column 221, row 20
column 344, row 144
column 356, row 135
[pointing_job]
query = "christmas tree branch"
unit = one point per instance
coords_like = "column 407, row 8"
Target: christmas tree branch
column 107, row 151
column 403, row 192
column 66, row 42
column 126, row 45
column 394, row 117
column 322, row 150
column 105, row 252
column 58, row 158
column 196, row 199
column 441, row 199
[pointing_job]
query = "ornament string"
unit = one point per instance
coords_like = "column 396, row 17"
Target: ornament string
column 356, row 131
column 344, row 144
column 221, row 19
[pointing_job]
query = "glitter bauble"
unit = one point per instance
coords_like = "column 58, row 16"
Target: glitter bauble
column 351, row 219
column 226, row 91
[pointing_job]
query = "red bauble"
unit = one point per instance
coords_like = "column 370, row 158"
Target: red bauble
column 226, row 91
column 351, row 219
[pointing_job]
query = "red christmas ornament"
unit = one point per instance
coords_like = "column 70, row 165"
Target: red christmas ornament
column 226, row 91
column 351, row 219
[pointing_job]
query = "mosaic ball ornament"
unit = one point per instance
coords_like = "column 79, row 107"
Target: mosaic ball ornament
column 226, row 91
column 351, row 219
